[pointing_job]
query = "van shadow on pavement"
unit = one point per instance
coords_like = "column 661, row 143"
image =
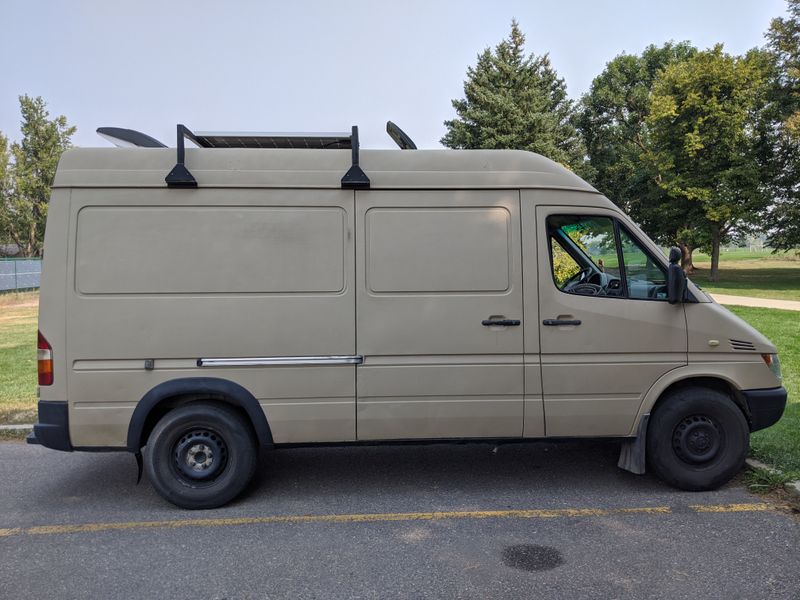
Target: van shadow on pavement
column 51, row 486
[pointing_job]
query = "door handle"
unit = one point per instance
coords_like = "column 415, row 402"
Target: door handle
column 501, row 322
column 556, row 322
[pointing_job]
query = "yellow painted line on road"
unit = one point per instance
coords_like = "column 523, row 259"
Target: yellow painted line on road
column 551, row 513
column 729, row 508
column 8, row 532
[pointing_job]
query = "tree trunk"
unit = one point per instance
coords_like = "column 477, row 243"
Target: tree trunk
column 714, row 254
column 686, row 258
column 32, row 239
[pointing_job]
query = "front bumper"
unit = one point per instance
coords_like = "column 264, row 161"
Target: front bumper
column 52, row 430
column 765, row 406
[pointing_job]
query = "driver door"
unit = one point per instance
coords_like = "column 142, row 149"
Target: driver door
column 607, row 334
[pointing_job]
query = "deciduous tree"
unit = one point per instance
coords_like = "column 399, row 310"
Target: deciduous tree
column 783, row 46
column 613, row 124
column 5, row 159
column 23, row 205
column 704, row 122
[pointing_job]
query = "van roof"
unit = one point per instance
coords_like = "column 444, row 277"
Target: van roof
column 293, row 168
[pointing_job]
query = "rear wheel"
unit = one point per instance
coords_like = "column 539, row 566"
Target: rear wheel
column 697, row 439
column 201, row 455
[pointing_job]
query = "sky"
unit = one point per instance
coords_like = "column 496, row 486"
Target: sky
column 317, row 65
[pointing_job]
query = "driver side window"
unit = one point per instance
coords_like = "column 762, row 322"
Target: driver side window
column 585, row 255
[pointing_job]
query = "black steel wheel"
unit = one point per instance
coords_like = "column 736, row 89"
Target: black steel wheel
column 697, row 438
column 201, row 455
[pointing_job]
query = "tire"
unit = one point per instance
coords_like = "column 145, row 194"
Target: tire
column 697, row 439
column 201, row 455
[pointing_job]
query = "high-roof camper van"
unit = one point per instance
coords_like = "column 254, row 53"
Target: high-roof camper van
column 266, row 290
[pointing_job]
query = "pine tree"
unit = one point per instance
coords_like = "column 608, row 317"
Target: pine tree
column 516, row 101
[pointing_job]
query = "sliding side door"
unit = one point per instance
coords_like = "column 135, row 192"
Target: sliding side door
column 439, row 314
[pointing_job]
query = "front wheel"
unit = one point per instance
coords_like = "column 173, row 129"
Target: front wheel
column 201, row 455
column 697, row 439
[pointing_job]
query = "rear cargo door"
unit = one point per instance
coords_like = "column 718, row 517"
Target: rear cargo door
column 439, row 314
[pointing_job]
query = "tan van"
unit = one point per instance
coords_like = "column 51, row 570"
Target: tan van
column 290, row 290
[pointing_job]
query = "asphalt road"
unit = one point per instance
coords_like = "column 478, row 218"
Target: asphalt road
column 542, row 520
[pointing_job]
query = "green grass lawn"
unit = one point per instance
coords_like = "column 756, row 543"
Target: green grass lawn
column 760, row 278
column 759, row 274
column 18, row 319
column 780, row 444
column 736, row 254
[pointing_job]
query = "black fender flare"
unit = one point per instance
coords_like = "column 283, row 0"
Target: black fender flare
column 233, row 393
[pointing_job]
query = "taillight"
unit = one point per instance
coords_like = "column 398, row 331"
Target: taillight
column 44, row 358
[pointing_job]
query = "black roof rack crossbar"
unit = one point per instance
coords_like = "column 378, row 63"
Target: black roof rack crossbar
column 128, row 137
column 400, row 137
column 355, row 178
column 180, row 177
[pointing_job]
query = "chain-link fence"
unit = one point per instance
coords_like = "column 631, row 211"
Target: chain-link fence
column 20, row 273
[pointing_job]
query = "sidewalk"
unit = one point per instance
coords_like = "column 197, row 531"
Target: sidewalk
column 758, row 302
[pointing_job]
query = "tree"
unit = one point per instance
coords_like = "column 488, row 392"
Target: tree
column 704, row 121
column 5, row 159
column 613, row 124
column 23, row 207
column 783, row 46
column 516, row 101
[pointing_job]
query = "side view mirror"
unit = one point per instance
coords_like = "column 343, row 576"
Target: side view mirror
column 676, row 278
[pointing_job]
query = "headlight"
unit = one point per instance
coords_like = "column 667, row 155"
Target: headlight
column 774, row 364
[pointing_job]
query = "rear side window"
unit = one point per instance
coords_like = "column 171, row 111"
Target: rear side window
column 596, row 256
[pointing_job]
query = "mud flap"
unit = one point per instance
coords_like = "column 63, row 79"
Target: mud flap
column 632, row 454
column 139, row 466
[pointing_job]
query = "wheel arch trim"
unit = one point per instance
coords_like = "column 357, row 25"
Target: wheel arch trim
column 230, row 392
column 685, row 374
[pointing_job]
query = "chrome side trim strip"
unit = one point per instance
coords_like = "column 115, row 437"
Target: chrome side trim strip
column 280, row 360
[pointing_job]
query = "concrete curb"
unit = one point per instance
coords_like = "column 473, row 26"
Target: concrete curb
column 792, row 487
column 16, row 427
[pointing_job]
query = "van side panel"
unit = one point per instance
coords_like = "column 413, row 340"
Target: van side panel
column 431, row 267
column 236, row 250
column 175, row 276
